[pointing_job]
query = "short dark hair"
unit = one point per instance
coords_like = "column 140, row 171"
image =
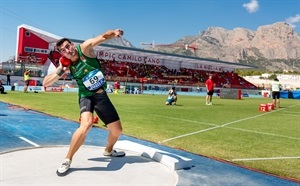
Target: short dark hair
column 60, row 42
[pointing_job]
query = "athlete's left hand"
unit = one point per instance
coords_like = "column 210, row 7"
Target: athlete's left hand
column 119, row 32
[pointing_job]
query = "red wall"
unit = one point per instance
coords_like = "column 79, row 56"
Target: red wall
column 31, row 41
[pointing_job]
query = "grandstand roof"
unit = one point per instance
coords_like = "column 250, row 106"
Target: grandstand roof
column 51, row 38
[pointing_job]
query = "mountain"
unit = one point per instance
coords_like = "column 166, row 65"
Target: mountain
column 119, row 42
column 273, row 47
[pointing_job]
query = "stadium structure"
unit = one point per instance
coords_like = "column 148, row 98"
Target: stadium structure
column 35, row 50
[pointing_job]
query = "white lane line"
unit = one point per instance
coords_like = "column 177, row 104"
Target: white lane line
column 28, row 141
column 292, row 115
column 237, row 121
column 264, row 133
column 173, row 118
column 216, row 127
column 292, row 112
column 224, row 125
column 272, row 158
column 187, row 120
column 181, row 136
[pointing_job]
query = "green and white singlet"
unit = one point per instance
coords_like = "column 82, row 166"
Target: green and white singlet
column 88, row 75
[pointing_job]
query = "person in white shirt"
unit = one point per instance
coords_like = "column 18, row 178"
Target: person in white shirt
column 276, row 92
column 172, row 96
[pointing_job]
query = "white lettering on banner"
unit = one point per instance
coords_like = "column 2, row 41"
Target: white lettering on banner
column 153, row 61
column 127, row 58
column 209, row 67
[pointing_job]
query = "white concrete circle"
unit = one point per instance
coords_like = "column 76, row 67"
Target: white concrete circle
column 38, row 166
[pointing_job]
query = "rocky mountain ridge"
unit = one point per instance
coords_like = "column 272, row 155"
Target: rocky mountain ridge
column 273, row 47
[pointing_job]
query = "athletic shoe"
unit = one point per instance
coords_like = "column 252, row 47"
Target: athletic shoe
column 114, row 153
column 210, row 103
column 64, row 167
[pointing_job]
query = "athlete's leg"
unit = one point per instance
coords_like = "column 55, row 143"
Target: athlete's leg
column 80, row 134
column 77, row 140
column 274, row 102
column 108, row 114
column 169, row 101
column 278, row 100
column 207, row 99
column 274, row 99
column 115, row 130
column 175, row 100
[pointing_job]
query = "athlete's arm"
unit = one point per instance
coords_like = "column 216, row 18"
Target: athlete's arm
column 53, row 77
column 88, row 45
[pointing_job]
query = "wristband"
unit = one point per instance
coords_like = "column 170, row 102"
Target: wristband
column 60, row 72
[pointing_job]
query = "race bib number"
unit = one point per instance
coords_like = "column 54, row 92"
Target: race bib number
column 94, row 80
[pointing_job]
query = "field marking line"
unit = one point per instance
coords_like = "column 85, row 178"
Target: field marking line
column 237, row 121
column 264, row 133
column 173, row 118
column 217, row 126
column 28, row 141
column 292, row 115
column 291, row 106
column 22, row 138
column 187, row 120
column 224, row 125
column 212, row 128
column 189, row 134
column 291, row 112
column 271, row 158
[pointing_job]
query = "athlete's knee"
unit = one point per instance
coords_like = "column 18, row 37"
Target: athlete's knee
column 115, row 128
column 117, row 131
column 85, row 128
column 86, row 124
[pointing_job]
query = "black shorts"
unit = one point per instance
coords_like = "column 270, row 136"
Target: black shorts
column 275, row 95
column 101, row 104
column 210, row 93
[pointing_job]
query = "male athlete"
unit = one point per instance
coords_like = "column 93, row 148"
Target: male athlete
column 86, row 70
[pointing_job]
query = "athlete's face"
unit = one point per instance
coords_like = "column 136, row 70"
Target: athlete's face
column 67, row 49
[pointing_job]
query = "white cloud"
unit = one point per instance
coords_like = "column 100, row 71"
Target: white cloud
column 292, row 21
column 252, row 6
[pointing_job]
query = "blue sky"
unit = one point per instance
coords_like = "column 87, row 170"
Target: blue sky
column 161, row 21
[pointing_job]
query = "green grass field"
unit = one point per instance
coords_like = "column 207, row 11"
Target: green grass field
column 232, row 130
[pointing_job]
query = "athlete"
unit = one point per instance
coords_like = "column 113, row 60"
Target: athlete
column 86, row 70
